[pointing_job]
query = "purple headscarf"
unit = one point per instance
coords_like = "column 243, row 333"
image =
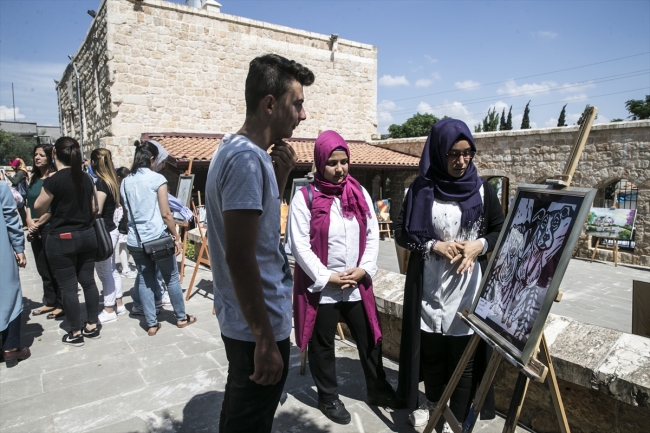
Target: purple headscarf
column 433, row 180
column 353, row 204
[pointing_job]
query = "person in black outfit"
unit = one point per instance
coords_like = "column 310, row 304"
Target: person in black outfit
column 39, row 229
column 72, row 243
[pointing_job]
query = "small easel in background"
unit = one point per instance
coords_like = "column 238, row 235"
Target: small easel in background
column 539, row 369
column 614, row 247
column 185, row 226
column 203, row 255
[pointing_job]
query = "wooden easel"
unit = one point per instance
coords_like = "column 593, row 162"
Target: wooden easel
column 203, row 255
column 614, row 249
column 186, row 228
column 539, row 369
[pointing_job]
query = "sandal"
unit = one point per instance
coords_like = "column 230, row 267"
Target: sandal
column 188, row 321
column 57, row 315
column 154, row 329
column 42, row 310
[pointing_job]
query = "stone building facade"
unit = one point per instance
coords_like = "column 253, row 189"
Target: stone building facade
column 152, row 65
column 614, row 152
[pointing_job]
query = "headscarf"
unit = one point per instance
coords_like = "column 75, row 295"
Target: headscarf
column 354, row 205
column 434, row 181
column 19, row 164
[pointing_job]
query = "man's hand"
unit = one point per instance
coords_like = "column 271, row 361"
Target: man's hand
column 353, row 276
column 21, row 259
column 284, row 159
column 268, row 363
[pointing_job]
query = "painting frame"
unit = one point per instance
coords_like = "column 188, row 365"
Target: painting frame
column 184, row 194
column 611, row 223
column 567, row 209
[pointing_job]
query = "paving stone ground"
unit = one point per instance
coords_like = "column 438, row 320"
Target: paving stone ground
column 174, row 382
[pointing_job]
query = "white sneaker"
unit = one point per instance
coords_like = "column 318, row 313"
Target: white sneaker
column 106, row 317
column 420, row 416
column 446, row 428
column 165, row 299
column 120, row 309
column 130, row 274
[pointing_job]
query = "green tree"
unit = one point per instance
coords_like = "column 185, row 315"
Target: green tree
column 478, row 128
column 14, row 146
column 415, row 126
column 638, row 108
column 509, row 121
column 562, row 120
column 491, row 121
column 583, row 116
column 502, row 122
column 525, row 122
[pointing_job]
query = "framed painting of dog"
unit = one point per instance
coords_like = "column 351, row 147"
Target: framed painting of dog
column 527, row 265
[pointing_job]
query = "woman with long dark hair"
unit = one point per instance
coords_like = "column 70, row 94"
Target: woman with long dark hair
column 39, row 229
column 108, row 198
column 450, row 220
column 72, row 243
column 335, row 240
column 144, row 196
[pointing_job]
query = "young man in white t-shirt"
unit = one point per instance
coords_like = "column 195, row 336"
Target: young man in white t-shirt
column 252, row 293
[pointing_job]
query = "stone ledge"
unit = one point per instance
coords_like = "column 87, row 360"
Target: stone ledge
column 611, row 362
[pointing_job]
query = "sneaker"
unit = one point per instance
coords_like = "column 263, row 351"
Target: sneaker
column 106, row 317
column 335, row 411
column 120, row 309
column 130, row 274
column 165, row 299
column 137, row 311
column 420, row 416
column 447, row 428
column 92, row 334
column 73, row 340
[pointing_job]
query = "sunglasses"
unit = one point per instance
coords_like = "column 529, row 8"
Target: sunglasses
column 454, row 154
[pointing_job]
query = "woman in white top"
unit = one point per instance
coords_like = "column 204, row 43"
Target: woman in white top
column 450, row 219
column 335, row 240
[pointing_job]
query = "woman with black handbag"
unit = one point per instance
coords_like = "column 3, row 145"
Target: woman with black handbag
column 152, row 239
column 108, row 198
column 72, row 243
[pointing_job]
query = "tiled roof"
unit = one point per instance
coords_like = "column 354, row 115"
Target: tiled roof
column 200, row 147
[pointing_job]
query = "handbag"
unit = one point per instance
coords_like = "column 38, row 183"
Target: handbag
column 104, row 240
column 158, row 249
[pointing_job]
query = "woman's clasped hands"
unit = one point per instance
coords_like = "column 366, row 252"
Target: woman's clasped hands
column 348, row 278
column 465, row 252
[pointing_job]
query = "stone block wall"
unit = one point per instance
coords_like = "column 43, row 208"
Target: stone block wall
column 178, row 68
column 613, row 151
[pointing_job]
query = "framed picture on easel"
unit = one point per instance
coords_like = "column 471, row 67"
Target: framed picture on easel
column 184, row 193
column 526, row 268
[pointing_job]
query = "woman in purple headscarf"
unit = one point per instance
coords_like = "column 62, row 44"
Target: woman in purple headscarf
column 450, row 220
column 335, row 240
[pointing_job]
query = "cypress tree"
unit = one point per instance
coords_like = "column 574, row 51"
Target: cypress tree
column 502, row 122
column 509, row 121
column 525, row 122
column 562, row 120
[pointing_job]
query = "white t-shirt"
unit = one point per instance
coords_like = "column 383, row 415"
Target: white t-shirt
column 241, row 177
column 342, row 248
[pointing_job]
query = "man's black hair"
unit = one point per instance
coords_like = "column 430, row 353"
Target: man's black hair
column 271, row 74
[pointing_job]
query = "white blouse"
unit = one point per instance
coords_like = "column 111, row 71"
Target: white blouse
column 343, row 248
column 444, row 292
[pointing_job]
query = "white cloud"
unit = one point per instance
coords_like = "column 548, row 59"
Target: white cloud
column 384, row 115
column 7, row 113
column 436, row 75
column 390, row 81
column 544, row 34
column 551, row 123
column 580, row 97
column 512, row 88
column 430, row 59
column 499, row 106
column 516, row 122
column 601, row 119
column 423, row 107
column 467, row 84
column 451, row 109
column 423, row 82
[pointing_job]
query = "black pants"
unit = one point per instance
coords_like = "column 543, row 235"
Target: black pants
column 249, row 407
column 51, row 292
column 11, row 335
column 439, row 356
column 23, row 215
column 322, row 359
column 73, row 262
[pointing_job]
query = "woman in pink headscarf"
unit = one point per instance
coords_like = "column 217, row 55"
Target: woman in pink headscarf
column 335, row 240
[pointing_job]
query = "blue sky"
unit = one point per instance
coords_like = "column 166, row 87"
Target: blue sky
column 455, row 58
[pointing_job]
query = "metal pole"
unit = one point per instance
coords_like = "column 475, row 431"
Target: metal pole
column 13, row 97
column 81, row 130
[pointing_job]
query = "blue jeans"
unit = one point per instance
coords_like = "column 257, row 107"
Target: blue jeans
column 146, row 282
column 158, row 290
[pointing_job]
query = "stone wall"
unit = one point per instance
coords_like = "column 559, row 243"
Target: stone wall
column 613, row 151
column 173, row 67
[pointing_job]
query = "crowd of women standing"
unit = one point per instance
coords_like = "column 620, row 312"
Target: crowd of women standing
column 62, row 203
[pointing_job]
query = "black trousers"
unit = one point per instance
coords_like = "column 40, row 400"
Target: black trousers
column 23, row 215
column 51, row 292
column 73, row 263
column 249, row 407
column 439, row 356
column 322, row 359
column 11, row 335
